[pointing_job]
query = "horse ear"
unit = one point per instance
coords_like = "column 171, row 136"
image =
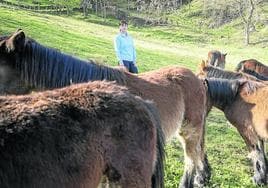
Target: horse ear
column 243, row 87
column 202, row 65
column 224, row 54
column 16, row 41
column 2, row 44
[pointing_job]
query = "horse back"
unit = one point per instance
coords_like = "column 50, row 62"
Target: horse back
column 177, row 93
column 69, row 137
column 254, row 65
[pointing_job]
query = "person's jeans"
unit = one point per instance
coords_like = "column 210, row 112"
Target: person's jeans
column 131, row 67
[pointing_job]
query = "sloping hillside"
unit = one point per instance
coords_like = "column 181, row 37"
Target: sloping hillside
column 184, row 43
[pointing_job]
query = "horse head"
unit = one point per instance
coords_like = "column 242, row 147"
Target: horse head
column 216, row 58
column 10, row 47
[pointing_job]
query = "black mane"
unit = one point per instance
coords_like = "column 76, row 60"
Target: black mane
column 214, row 72
column 222, row 92
column 255, row 74
column 45, row 67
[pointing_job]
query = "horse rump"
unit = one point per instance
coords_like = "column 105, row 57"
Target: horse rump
column 71, row 137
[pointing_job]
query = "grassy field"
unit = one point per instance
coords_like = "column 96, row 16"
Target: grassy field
column 184, row 45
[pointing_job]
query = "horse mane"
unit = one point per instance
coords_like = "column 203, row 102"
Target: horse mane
column 255, row 74
column 250, row 87
column 45, row 67
column 222, row 92
column 240, row 65
column 214, row 72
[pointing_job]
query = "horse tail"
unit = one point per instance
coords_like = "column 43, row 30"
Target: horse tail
column 158, row 175
column 239, row 66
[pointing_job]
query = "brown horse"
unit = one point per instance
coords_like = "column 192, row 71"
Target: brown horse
column 245, row 105
column 216, row 58
column 71, row 137
column 208, row 71
column 252, row 64
column 178, row 94
column 255, row 74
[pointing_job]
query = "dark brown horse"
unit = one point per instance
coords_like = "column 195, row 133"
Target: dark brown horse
column 255, row 74
column 216, row 58
column 71, row 137
column 252, row 64
column 208, row 71
column 178, row 94
column 245, row 105
column 42, row 67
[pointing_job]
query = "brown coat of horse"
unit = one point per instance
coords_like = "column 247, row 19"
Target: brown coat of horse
column 216, row 58
column 252, row 64
column 207, row 71
column 73, row 136
column 179, row 95
column 223, row 94
column 244, row 105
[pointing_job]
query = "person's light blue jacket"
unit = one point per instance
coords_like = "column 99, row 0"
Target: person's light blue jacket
column 124, row 48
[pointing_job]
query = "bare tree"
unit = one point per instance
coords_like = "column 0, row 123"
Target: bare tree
column 246, row 10
column 85, row 4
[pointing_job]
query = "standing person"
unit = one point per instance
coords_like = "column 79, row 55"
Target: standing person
column 124, row 48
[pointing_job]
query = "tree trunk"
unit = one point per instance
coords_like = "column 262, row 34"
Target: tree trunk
column 84, row 11
column 247, row 18
column 96, row 7
column 247, row 33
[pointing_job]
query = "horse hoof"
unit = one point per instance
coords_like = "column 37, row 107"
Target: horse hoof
column 187, row 181
column 260, row 181
column 199, row 181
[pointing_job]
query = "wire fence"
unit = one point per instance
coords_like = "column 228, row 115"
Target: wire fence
column 37, row 8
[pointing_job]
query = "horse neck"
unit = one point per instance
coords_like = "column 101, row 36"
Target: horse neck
column 221, row 93
column 44, row 67
column 209, row 102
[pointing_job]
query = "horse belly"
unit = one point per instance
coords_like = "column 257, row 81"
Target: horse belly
column 172, row 115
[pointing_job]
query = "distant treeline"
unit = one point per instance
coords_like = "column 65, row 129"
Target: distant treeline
column 121, row 9
column 38, row 7
column 116, row 8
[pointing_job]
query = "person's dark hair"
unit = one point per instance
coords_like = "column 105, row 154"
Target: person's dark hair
column 123, row 22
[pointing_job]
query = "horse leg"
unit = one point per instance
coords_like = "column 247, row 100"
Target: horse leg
column 191, row 138
column 259, row 161
column 104, row 182
column 133, row 170
column 257, row 154
column 203, row 171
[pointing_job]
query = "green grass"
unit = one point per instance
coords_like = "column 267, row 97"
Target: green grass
column 226, row 154
column 183, row 45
